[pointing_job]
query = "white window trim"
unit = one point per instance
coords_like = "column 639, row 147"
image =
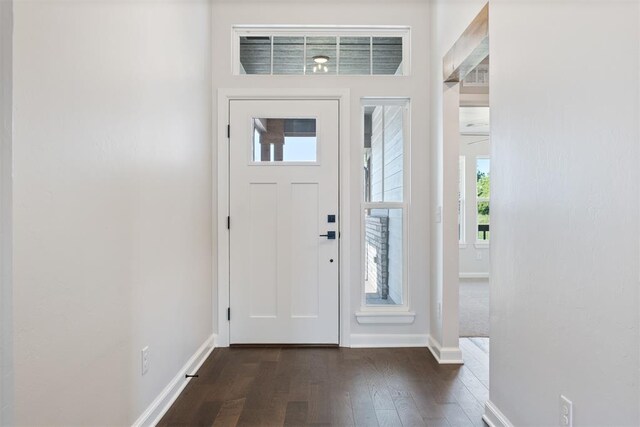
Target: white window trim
column 371, row 317
column 462, row 188
column 367, row 312
column 321, row 30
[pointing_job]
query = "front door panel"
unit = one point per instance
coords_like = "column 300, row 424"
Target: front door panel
column 283, row 189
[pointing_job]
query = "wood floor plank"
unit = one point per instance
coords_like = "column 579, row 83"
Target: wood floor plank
column 482, row 343
column 440, row 422
column 474, row 411
column 182, row 411
column 338, row 386
column 408, row 412
column 456, row 416
column 388, row 418
column 206, row 413
column 319, row 404
column 229, row 413
column 364, row 413
column 381, row 397
column 296, row 414
column 341, row 409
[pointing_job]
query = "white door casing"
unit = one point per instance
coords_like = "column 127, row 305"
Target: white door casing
column 283, row 274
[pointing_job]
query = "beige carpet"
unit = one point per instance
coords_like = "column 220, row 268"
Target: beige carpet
column 474, row 308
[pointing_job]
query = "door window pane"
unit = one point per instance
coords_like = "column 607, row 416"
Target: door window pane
column 284, row 140
column 383, row 256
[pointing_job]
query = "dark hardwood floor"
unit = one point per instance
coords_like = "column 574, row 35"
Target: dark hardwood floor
column 335, row 386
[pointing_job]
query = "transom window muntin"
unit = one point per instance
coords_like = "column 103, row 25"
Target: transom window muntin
column 321, row 50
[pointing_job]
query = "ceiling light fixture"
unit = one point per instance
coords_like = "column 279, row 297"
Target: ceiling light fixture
column 321, row 61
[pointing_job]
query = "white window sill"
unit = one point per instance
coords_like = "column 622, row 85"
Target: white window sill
column 481, row 245
column 462, row 245
column 385, row 317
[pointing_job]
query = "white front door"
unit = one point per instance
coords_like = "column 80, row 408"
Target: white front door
column 283, row 210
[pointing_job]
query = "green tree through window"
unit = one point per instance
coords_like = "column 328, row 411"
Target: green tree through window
column 483, row 188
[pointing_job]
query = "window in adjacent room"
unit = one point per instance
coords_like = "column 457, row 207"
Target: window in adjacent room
column 483, row 192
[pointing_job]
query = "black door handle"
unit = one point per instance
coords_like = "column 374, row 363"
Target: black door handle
column 331, row 235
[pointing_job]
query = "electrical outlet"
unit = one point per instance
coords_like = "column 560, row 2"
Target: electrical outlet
column 145, row 360
column 566, row 412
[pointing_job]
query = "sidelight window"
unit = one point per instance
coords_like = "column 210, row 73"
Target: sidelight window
column 384, row 204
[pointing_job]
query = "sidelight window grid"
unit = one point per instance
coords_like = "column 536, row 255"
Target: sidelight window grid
column 384, row 204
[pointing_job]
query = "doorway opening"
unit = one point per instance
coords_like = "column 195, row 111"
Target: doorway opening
column 474, row 200
column 466, row 171
column 283, row 205
column 474, row 225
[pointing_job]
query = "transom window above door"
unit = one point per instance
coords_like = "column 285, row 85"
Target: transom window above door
column 356, row 51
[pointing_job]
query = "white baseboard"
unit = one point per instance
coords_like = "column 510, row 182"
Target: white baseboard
column 388, row 340
column 445, row 355
column 493, row 417
column 161, row 404
column 474, row 275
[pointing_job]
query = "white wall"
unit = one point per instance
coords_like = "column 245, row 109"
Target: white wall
column 6, row 285
column 354, row 12
column 565, row 258
column 112, row 203
column 470, row 264
column 565, row 221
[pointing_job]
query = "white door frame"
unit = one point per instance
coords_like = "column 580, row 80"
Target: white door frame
column 219, row 226
column 466, row 53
